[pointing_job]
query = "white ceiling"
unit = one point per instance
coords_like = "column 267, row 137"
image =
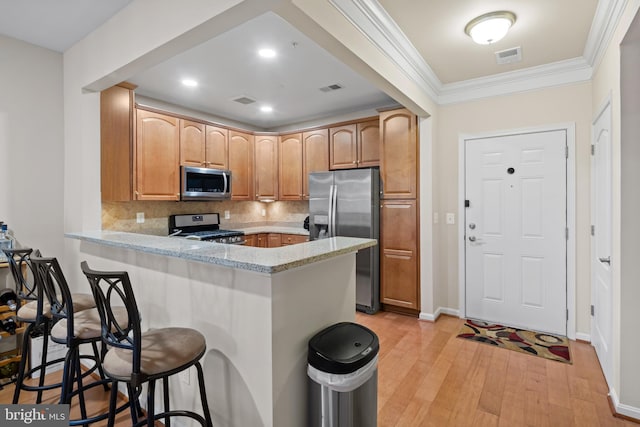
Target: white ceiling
column 547, row 31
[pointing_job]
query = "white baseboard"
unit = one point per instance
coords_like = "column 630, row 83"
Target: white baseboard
column 583, row 337
column 441, row 310
column 621, row 408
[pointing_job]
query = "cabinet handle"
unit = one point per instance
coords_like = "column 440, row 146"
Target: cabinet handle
column 354, row 162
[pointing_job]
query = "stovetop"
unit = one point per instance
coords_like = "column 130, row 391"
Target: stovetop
column 200, row 226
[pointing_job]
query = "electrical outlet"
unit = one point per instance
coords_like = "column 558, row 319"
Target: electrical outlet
column 140, row 217
column 451, row 218
column 263, row 212
column 227, row 215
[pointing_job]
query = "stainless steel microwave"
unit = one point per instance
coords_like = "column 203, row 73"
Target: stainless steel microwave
column 204, row 183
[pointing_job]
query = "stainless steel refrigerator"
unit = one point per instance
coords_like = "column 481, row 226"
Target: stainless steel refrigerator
column 347, row 203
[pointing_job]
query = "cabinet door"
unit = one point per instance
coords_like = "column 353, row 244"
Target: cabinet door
column 116, row 142
column 241, row 165
column 315, row 156
column 293, row 239
column 250, row 240
column 266, row 167
column 157, row 156
column 217, row 147
column 399, row 254
column 192, row 139
column 290, row 171
column 274, row 240
column 368, row 143
column 342, row 147
column 398, row 160
column 261, row 240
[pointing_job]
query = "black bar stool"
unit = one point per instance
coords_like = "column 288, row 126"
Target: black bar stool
column 74, row 328
column 36, row 312
column 137, row 357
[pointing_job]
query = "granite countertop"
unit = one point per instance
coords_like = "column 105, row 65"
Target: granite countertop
column 263, row 260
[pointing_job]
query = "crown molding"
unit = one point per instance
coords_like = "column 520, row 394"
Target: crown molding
column 373, row 21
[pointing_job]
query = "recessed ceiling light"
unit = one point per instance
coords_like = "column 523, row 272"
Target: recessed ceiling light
column 189, row 82
column 267, row 53
column 266, row 108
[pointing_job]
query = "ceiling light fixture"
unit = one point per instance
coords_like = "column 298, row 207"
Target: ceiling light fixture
column 267, row 53
column 189, row 82
column 266, row 108
column 490, row 27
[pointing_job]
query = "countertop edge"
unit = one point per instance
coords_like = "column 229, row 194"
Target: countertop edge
column 203, row 254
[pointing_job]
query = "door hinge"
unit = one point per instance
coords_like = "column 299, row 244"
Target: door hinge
column 567, row 314
column 593, row 230
column 566, row 233
column 566, row 151
column 593, row 310
column 593, row 149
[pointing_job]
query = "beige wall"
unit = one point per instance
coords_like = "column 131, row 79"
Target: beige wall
column 31, row 144
column 537, row 108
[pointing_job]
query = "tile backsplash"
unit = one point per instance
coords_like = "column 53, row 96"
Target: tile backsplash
column 121, row 216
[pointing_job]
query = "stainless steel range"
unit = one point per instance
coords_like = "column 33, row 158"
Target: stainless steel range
column 203, row 227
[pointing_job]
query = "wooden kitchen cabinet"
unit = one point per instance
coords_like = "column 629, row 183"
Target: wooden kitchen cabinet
column 116, row 142
column 216, row 147
column 250, row 240
column 157, row 153
column 266, row 167
column 290, row 170
column 262, row 240
column 315, row 156
column 355, row 145
column 274, row 240
column 192, row 143
column 399, row 154
column 399, row 255
column 241, row 165
column 203, row 145
column 292, row 239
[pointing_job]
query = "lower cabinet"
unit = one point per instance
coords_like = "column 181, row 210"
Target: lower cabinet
column 274, row 240
column 292, row 239
column 399, row 255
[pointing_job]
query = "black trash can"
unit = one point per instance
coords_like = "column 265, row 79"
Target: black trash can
column 343, row 377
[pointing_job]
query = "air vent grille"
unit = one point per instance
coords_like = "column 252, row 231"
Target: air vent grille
column 244, row 100
column 509, row 56
column 331, row 88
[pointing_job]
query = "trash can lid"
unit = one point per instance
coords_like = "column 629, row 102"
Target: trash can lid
column 342, row 348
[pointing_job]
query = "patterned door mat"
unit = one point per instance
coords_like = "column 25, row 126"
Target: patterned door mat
column 554, row 347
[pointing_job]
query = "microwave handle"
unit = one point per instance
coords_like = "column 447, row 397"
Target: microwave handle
column 224, row 175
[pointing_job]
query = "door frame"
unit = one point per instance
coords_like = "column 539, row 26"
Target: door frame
column 570, row 129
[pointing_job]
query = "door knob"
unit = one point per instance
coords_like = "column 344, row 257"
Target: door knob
column 472, row 226
column 472, row 238
column 606, row 260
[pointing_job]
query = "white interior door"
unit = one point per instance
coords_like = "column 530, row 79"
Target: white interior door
column 602, row 294
column 515, row 230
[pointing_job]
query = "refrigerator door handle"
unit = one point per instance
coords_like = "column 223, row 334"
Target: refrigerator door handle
column 334, row 208
column 330, row 213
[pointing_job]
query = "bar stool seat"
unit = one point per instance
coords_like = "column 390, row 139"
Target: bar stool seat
column 86, row 325
column 163, row 350
column 29, row 311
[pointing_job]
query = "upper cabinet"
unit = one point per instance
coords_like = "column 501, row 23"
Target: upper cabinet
column 355, row 145
column 204, row 146
column 399, row 154
column 192, row 143
column 241, row 165
column 315, row 152
column 290, row 171
column 216, row 147
column 116, row 140
column 266, row 167
column 157, row 154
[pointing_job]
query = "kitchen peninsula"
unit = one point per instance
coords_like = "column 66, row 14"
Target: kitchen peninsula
column 257, row 308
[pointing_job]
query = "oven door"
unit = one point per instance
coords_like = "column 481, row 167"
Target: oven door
column 204, row 183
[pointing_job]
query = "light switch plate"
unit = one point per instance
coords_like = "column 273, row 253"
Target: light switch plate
column 451, row 218
column 227, row 215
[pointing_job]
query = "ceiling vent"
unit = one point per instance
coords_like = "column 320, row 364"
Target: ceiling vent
column 244, row 100
column 331, row 88
column 509, row 56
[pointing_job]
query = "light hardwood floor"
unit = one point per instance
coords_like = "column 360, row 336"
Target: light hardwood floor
column 428, row 377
